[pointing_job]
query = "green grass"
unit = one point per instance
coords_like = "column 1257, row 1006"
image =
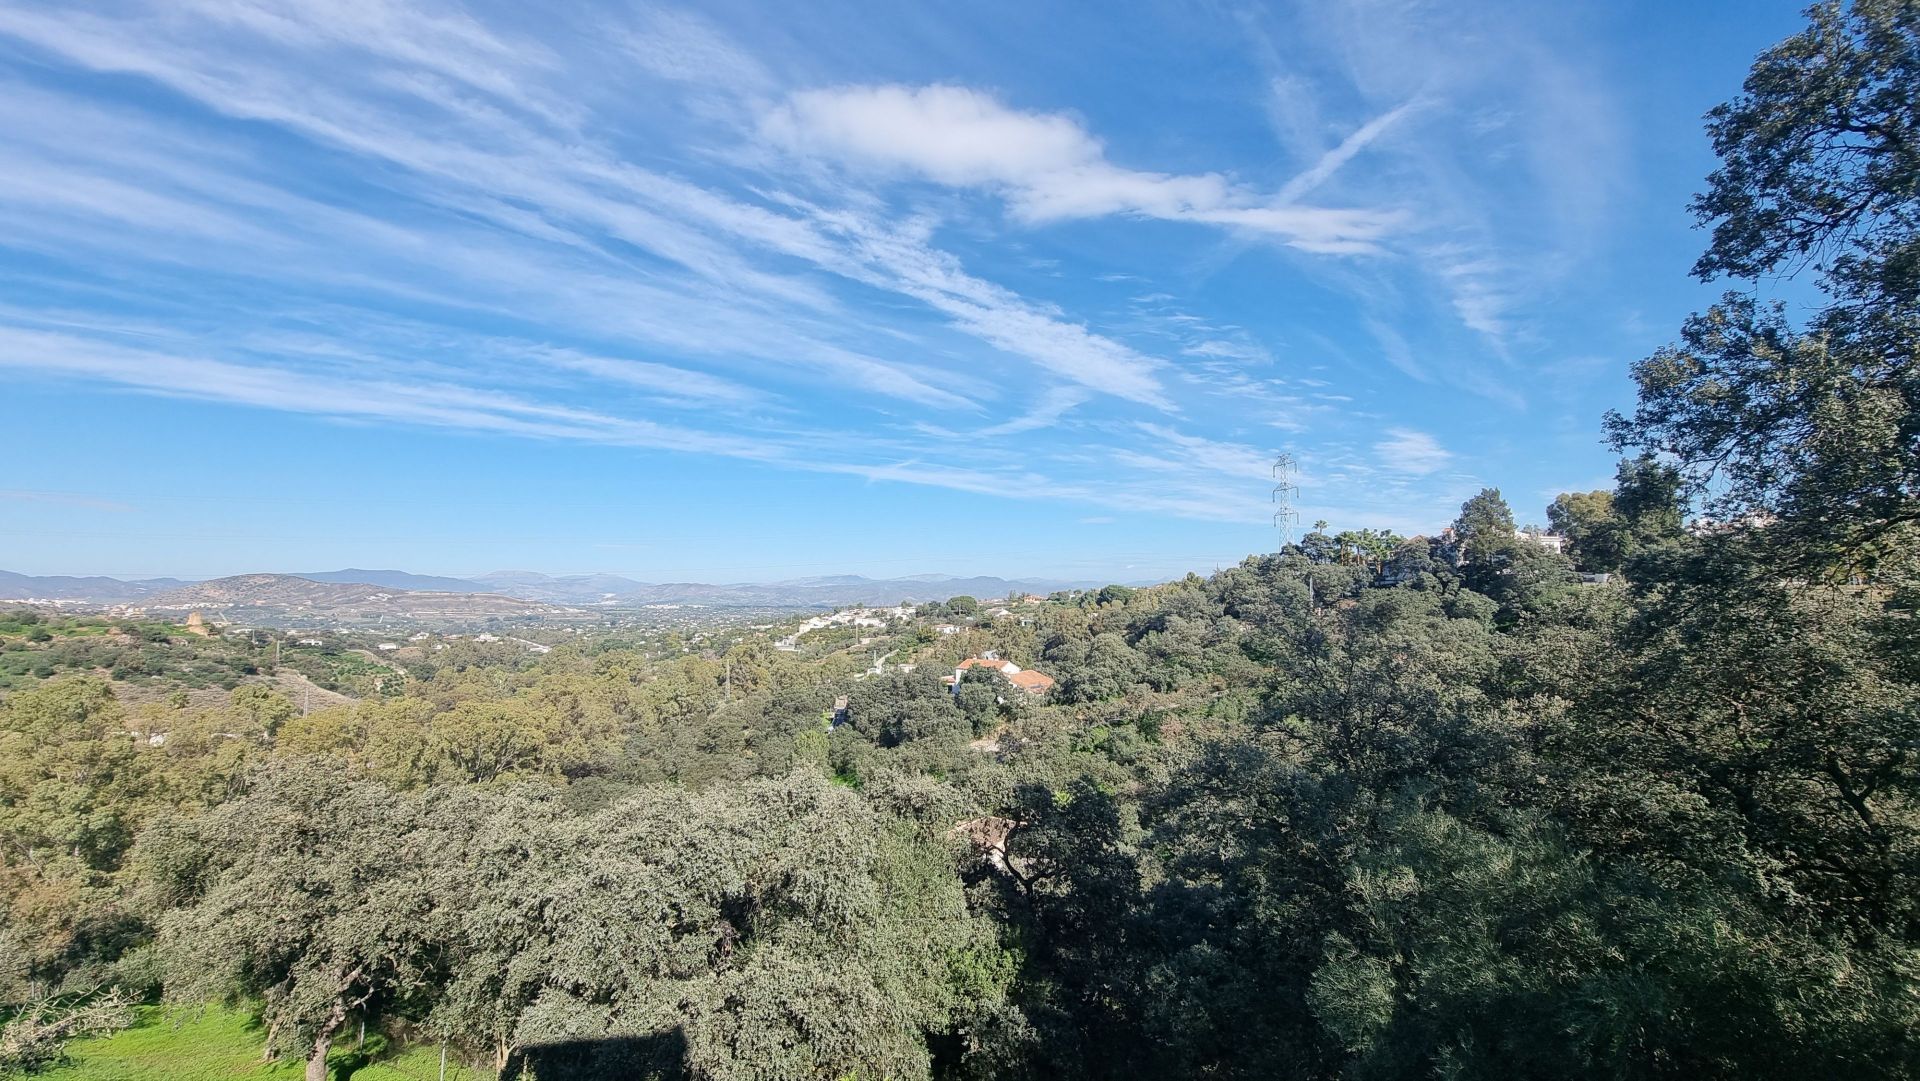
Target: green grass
column 215, row 1044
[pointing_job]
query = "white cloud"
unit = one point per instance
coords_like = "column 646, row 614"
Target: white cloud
column 950, row 133
column 1407, row 451
column 64, row 499
column 548, row 185
column 681, row 46
column 1396, row 351
column 902, row 261
column 661, row 379
column 1046, row 164
column 1504, row 148
column 1045, row 413
column 1332, row 160
column 1225, row 350
column 432, row 405
column 787, row 317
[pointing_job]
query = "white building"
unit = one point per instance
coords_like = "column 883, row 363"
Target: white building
column 1550, row 541
column 1034, row 683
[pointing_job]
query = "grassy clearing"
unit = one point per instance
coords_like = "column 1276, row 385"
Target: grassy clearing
column 216, row 1044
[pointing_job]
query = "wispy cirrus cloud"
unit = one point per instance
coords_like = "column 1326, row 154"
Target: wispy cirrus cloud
column 1515, row 143
column 1046, row 164
column 502, row 164
column 413, row 213
column 1045, row 413
column 1407, row 451
column 531, row 179
column 433, row 405
column 64, row 499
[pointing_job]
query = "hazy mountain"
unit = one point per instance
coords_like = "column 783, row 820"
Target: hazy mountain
column 821, row 591
column 396, row 580
column 96, row 589
column 313, row 594
column 288, row 599
column 563, row 589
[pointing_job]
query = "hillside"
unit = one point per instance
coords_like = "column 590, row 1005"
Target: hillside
column 562, row 589
column 396, row 579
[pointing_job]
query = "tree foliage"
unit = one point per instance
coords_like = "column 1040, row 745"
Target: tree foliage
column 1363, row 808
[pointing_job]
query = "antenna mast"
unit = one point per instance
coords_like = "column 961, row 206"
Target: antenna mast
column 1285, row 518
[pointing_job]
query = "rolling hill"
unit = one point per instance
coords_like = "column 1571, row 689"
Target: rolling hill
column 393, row 579
column 357, row 593
column 289, row 599
column 95, row 588
column 614, row 591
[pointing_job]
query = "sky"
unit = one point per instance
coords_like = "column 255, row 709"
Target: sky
column 734, row 292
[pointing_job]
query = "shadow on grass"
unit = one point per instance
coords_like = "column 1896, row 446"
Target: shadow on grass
column 660, row 1057
column 146, row 1016
column 342, row 1065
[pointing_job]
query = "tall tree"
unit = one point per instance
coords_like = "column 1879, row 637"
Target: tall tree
column 304, row 895
column 1485, row 526
column 781, row 928
column 1773, row 702
column 1815, row 427
column 1586, row 520
column 73, row 792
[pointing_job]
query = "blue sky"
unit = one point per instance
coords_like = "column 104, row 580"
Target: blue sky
column 746, row 291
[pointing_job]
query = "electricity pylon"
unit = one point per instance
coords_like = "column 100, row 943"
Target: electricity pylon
column 1285, row 518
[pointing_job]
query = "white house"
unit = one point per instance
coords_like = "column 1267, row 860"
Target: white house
column 1005, row 668
column 1550, row 541
column 1028, row 681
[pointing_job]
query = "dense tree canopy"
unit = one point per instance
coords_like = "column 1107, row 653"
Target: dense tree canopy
column 1367, row 807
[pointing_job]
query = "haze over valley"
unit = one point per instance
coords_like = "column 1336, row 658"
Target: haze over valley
column 358, row 596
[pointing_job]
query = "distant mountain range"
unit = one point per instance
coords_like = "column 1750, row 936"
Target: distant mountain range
column 362, row 593
column 395, row 580
column 96, row 589
column 611, row 590
column 286, row 598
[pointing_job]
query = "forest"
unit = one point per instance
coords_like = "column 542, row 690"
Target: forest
column 1368, row 807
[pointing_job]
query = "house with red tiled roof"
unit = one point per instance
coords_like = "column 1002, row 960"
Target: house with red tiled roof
column 1028, row 681
column 1032, row 682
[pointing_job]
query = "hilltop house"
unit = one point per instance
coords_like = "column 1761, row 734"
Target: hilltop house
column 1552, row 542
column 1032, row 682
column 989, row 660
column 1029, row 681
